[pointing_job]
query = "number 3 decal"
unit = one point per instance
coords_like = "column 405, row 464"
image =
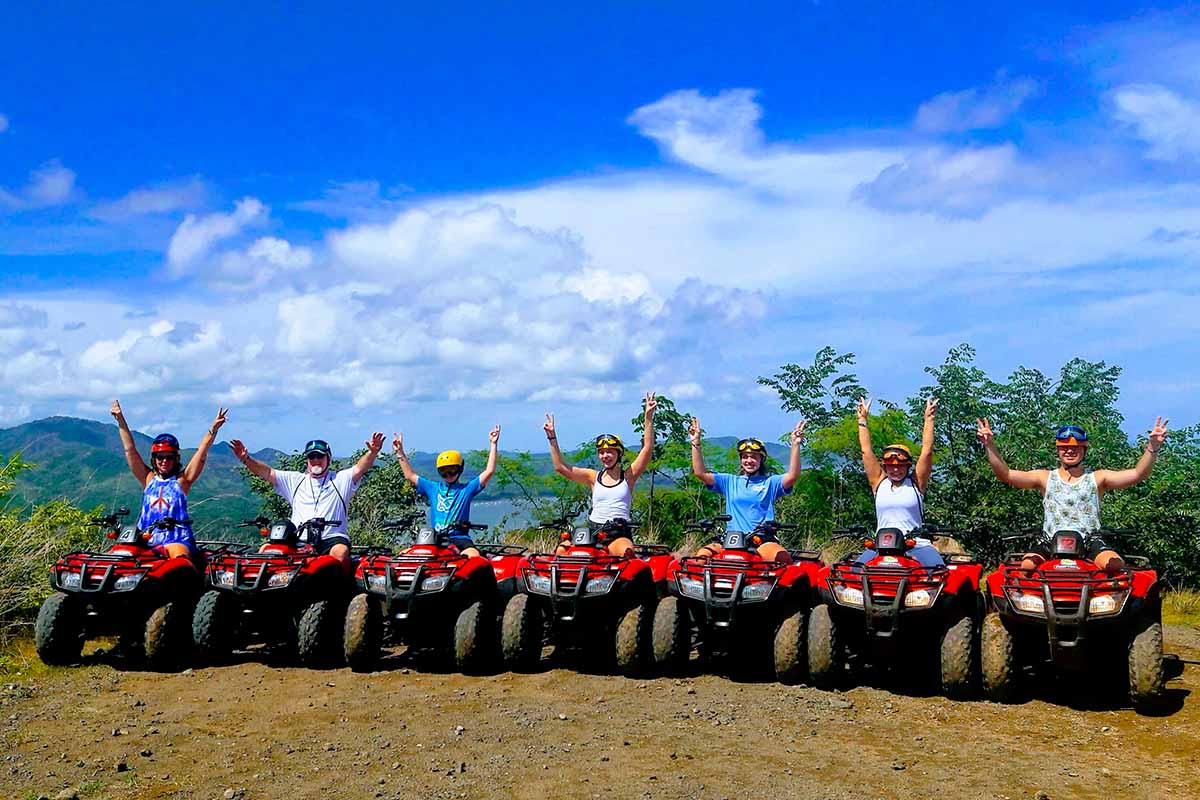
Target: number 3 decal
column 581, row 537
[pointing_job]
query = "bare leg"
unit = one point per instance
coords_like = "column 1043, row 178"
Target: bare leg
column 1109, row 561
column 621, row 546
column 709, row 550
column 470, row 552
column 342, row 553
column 177, row 550
column 1032, row 561
column 773, row 551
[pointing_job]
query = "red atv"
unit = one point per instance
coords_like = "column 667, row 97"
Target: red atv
column 738, row 604
column 432, row 598
column 132, row 590
column 892, row 611
column 585, row 599
column 287, row 594
column 1079, row 617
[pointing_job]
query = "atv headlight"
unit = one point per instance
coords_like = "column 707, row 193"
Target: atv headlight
column 919, row 598
column 223, row 577
column 70, row 580
column 376, row 581
column 691, row 587
column 1105, row 604
column 1029, row 603
column 434, row 583
column 127, row 582
column 281, row 578
column 538, row 584
column 599, row 585
column 758, row 591
column 848, row 595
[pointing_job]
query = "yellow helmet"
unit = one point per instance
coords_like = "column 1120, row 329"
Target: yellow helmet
column 449, row 458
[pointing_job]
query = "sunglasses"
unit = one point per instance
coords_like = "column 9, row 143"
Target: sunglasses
column 609, row 440
column 165, row 456
column 891, row 459
column 449, row 472
column 750, row 446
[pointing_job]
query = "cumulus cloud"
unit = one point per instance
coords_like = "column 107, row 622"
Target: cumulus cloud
column 196, row 235
column 966, row 181
column 51, row 184
column 1163, row 119
column 976, row 108
column 149, row 200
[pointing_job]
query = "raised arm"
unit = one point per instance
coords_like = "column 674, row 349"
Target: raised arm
column 870, row 462
column 578, row 474
column 410, row 474
column 925, row 460
column 1013, row 477
column 132, row 457
column 698, row 468
column 793, row 472
column 256, row 467
column 195, row 464
column 364, row 464
column 1123, row 478
column 642, row 460
column 493, row 448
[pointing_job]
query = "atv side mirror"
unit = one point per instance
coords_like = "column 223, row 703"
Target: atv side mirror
column 111, row 534
column 264, row 532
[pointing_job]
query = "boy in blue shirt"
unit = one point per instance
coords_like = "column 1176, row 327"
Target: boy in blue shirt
column 450, row 501
column 749, row 497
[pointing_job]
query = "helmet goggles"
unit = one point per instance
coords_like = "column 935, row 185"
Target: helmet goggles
column 610, row 440
column 751, row 445
column 1070, row 436
column 317, row 447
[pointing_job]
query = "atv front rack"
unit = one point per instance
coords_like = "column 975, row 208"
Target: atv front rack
column 98, row 572
column 1064, row 599
column 252, row 572
column 724, row 585
column 567, row 581
column 885, row 593
column 400, row 579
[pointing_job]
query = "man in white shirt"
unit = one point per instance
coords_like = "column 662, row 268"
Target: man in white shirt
column 316, row 492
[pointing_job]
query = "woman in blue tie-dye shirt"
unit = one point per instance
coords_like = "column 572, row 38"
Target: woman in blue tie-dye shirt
column 166, row 484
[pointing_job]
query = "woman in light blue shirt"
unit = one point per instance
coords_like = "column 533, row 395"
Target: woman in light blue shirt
column 749, row 496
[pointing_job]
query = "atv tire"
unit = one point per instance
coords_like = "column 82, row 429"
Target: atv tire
column 635, row 640
column 475, row 638
column 167, row 643
column 58, row 633
column 521, row 633
column 319, row 635
column 671, row 636
column 213, row 626
column 823, row 646
column 998, row 660
column 791, row 660
column 362, row 635
column 1147, row 678
column 960, row 659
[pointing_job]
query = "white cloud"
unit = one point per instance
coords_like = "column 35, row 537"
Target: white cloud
column 49, row 185
column 196, row 236
column 976, row 108
column 1166, row 121
column 967, row 181
column 149, row 200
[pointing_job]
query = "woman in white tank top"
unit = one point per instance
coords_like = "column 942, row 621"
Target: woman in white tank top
column 899, row 489
column 612, row 486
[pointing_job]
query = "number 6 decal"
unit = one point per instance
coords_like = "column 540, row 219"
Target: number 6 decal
column 735, row 540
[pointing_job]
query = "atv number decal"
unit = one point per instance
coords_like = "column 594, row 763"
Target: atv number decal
column 581, row 537
column 733, row 540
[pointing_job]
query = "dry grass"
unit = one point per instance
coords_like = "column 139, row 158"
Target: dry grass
column 1182, row 607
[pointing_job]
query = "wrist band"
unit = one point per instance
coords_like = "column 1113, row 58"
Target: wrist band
column 862, row 424
column 551, row 438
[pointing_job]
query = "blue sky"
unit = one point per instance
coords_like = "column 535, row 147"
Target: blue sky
column 435, row 220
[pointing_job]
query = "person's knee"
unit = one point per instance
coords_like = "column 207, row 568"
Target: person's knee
column 1109, row 560
column 621, row 547
column 341, row 552
column 1032, row 561
column 177, row 550
column 471, row 552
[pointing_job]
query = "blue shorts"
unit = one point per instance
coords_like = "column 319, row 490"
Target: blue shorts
column 926, row 555
column 180, row 534
column 461, row 542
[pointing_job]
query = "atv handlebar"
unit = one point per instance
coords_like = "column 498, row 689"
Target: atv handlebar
column 707, row 525
column 112, row 519
column 257, row 522
column 403, row 523
column 462, row 526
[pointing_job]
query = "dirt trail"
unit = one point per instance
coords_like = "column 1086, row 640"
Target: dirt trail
column 286, row 732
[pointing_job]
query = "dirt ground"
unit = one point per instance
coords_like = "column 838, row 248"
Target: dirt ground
column 257, row 730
